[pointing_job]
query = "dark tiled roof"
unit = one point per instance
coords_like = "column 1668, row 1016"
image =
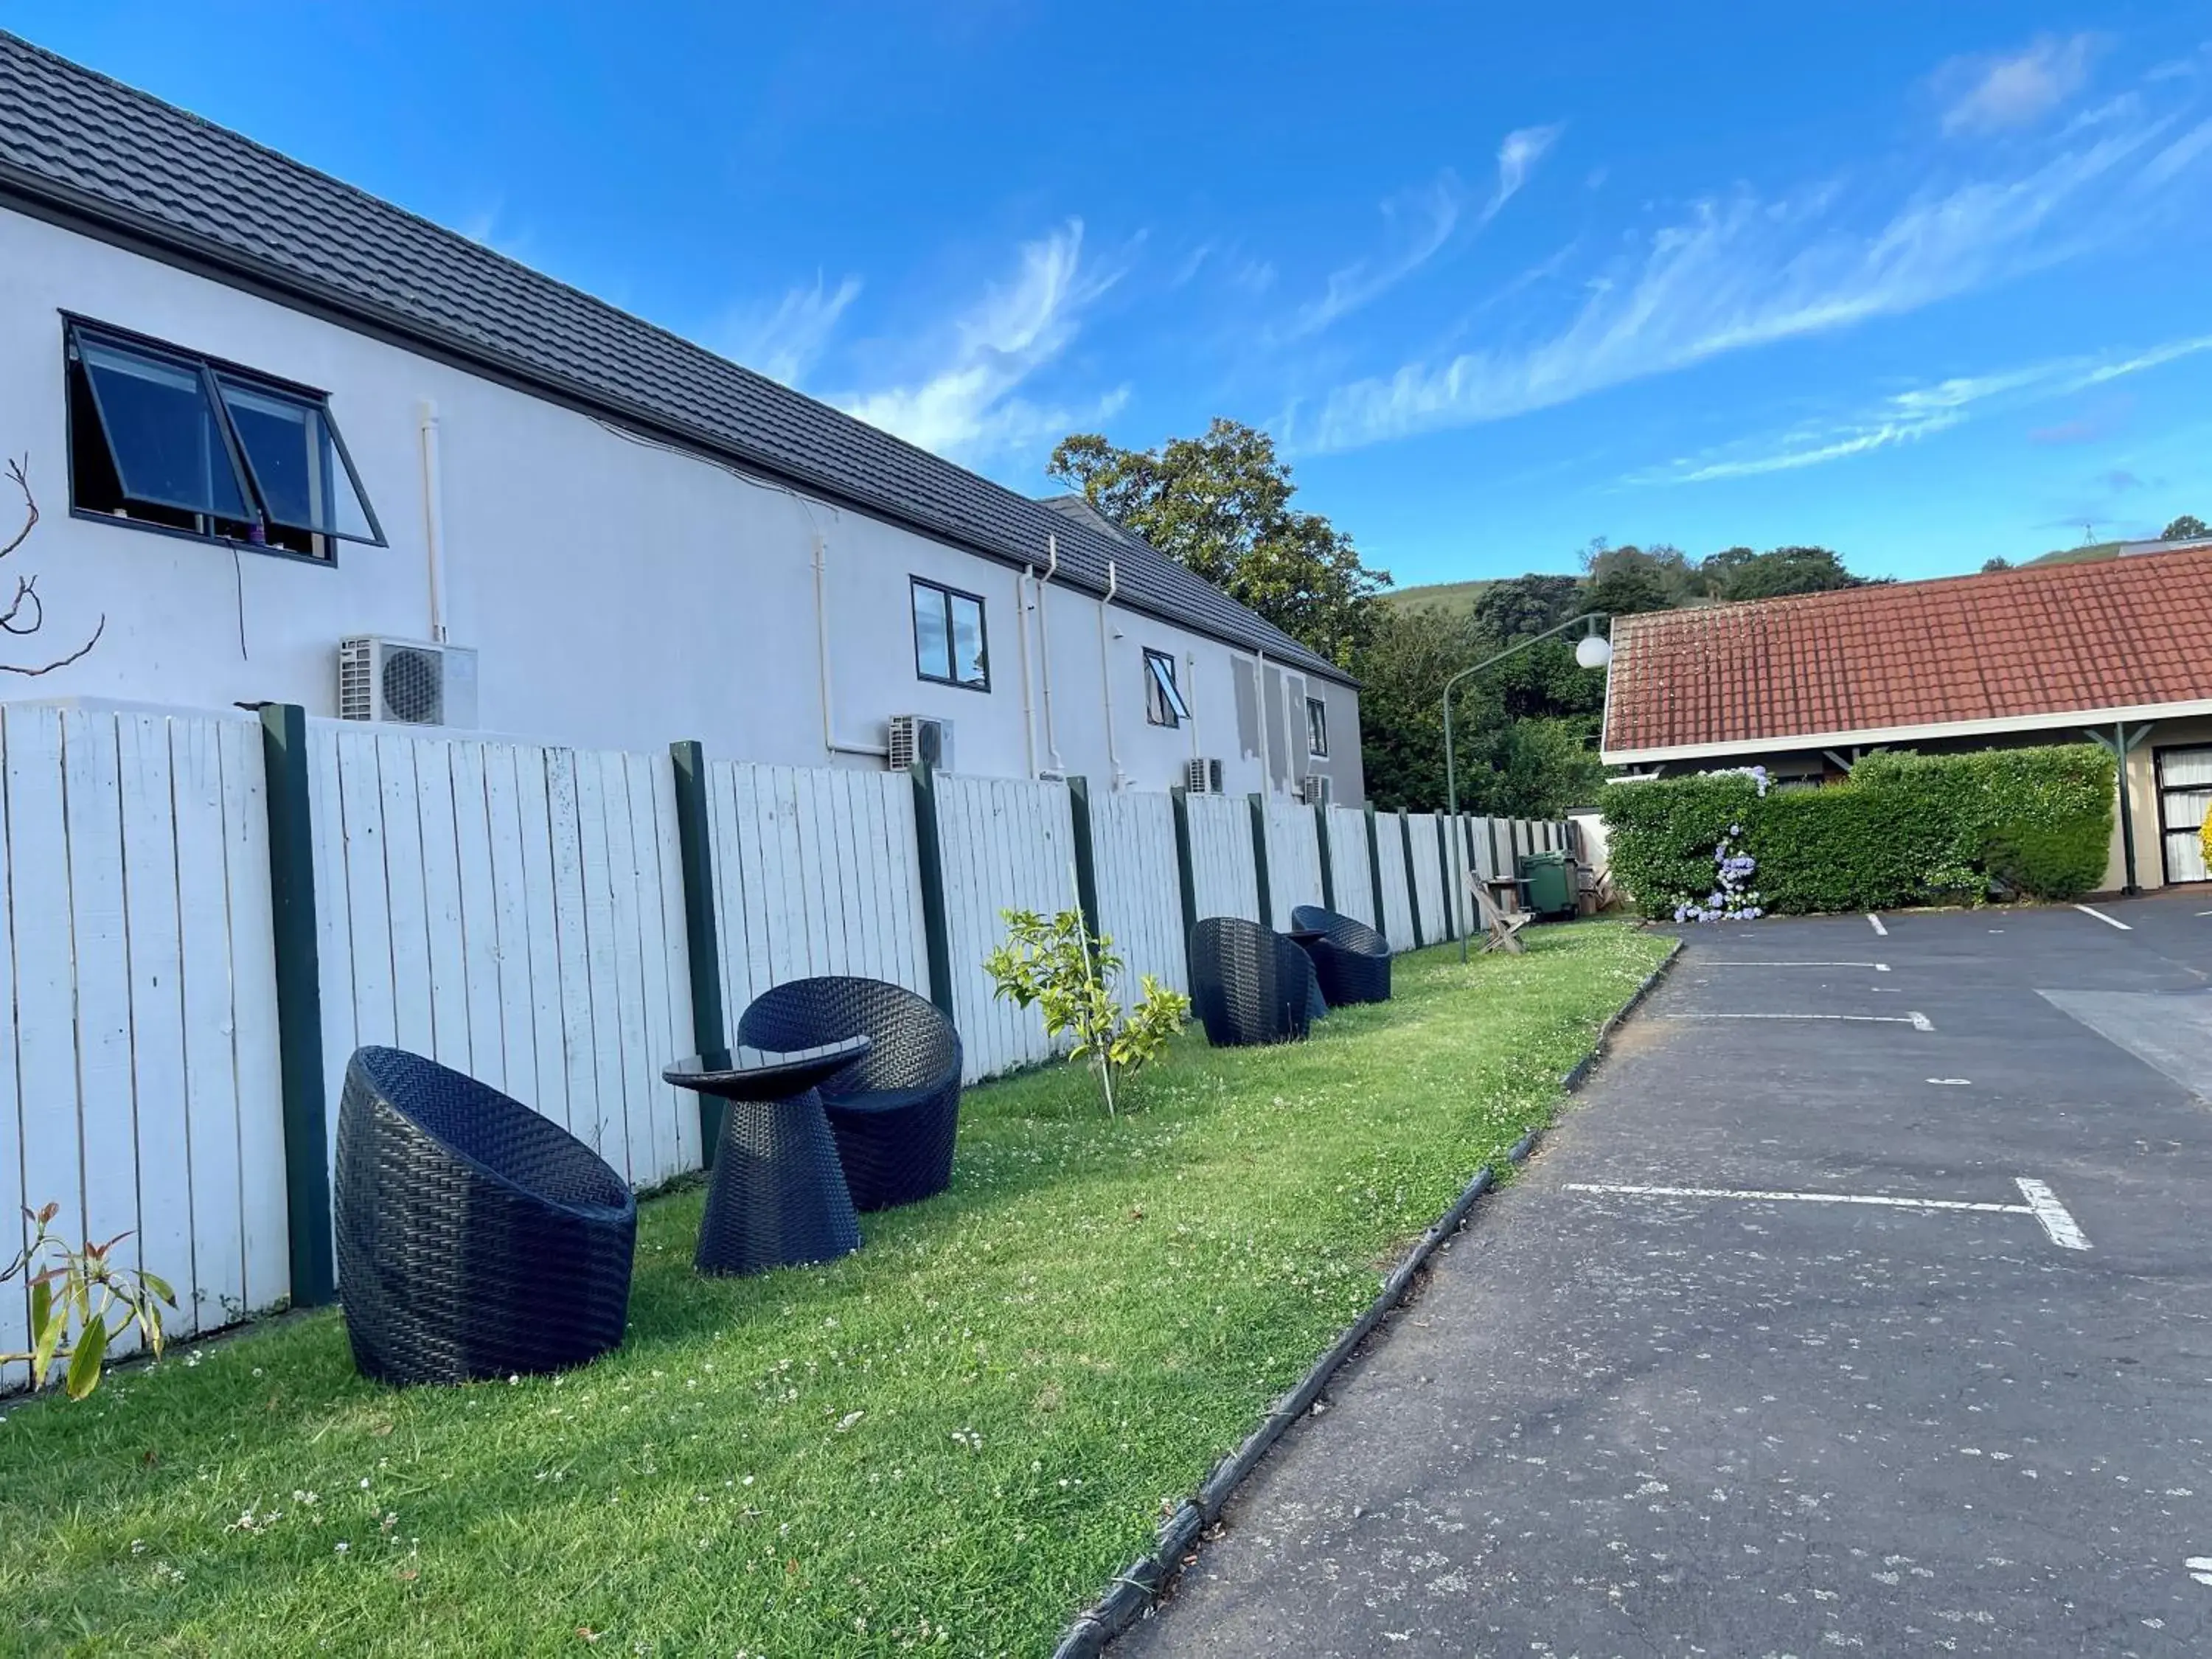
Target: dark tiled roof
column 77, row 142
column 2011, row 645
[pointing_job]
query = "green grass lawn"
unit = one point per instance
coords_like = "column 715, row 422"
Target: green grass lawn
column 947, row 1442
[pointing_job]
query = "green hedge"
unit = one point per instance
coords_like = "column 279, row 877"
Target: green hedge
column 1906, row 830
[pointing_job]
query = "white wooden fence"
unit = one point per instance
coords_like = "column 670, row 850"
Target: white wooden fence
column 1349, row 866
column 1293, row 860
column 1224, row 879
column 1008, row 844
column 140, row 1089
column 1140, row 889
column 1431, row 884
column 518, row 911
column 514, row 912
column 815, row 872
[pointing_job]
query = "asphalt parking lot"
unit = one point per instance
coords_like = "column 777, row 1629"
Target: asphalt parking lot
column 1911, row 1352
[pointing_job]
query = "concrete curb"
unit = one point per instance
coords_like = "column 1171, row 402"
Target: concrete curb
column 1137, row 1586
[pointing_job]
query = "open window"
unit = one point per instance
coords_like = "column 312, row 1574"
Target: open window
column 949, row 643
column 1317, row 728
column 162, row 437
column 1163, row 703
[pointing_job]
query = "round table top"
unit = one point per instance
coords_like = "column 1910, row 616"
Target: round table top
column 743, row 1073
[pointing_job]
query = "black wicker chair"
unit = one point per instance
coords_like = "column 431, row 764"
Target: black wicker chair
column 1250, row 984
column 1353, row 959
column 896, row 1111
column 475, row 1238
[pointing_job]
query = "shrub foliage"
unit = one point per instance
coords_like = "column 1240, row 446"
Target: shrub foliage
column 1906, row 830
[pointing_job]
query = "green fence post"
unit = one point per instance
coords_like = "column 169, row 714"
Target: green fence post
column 695, row 844
column 929, row 854
column 1260, row 857
column 299, row 1004
column 1375, row 869
column 1086, row 866
column 1185, row 871
column 1321, row 842
column 1413, row 887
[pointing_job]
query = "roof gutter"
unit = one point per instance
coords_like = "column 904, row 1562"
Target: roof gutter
column 2055, row 720
column 145, row 234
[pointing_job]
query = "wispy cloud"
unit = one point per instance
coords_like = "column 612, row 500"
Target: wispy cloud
column 1420, row 222
column 1907, row 416
column 968, row 405
column 1517, row 158
column 1742, row 271
column 786, row 340
column 2001, row 91
column 1419, row 225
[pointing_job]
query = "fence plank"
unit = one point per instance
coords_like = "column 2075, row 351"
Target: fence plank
column 679, row 1109
column 205, row 950
column 542, row 915
column 442, row 934
column 1225, row 882
column 1397, row 924
column 506, row 870
column 582, row 957
column 478, row 918
column 1353, row 876
column 266, row 1234
column 1139, row 900
column 93, row 797
column 1431, row 882
column 163, row 1153
column 1293, row 860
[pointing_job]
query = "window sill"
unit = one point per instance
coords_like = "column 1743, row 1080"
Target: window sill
column 953, row 686
column 175, row 534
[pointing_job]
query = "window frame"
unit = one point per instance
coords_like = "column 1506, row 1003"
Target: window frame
column 1174, row 708
column 1316, row 725
column 947, row 593
column 211, row 372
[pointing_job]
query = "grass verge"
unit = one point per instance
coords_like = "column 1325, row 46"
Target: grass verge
column 946, row 1441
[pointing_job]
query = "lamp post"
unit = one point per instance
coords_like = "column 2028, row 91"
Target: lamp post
column 1593, row 650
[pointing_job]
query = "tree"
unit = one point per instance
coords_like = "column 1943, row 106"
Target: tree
column 1627, row 589
column 1998, row 563
column 1676, row 577
column 12, row 620
column 2186, row 528
column 1522, row 605
column 1784, row 570
column 1220, row 505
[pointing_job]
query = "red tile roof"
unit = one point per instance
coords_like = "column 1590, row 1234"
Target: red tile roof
column 2006, row 646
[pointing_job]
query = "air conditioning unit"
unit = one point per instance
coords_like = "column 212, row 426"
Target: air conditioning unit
column 920, row 737
column 1314, row 789
column 406, row 682
column 1202, row 777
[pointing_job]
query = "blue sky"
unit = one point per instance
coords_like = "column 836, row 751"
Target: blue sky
column 1924, row 282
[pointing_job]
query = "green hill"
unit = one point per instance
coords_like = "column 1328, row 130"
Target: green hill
column 1452, row 596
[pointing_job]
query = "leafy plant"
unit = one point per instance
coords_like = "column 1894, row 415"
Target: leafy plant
column 1905, row 829
column 1060, row 967
column 81, row 1303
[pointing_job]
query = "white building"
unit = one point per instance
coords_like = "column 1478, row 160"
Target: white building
column 637, row 540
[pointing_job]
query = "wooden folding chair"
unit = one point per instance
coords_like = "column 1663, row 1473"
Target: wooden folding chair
column 1501, row 928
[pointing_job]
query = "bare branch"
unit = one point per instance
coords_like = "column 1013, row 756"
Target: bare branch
column 27, row 588
column 30, row 504
column 63, row 662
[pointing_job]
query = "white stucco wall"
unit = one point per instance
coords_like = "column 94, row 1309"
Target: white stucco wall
column 619, row 594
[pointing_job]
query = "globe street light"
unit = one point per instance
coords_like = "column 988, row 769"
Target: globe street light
column 1593, row 650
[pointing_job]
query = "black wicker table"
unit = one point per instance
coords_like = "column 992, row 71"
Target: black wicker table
column 778, row 1197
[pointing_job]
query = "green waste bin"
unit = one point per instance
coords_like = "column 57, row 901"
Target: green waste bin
column 1548, row 883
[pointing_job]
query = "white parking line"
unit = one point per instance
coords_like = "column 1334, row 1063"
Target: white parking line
column 2200, row 1566
column 1879, row 967
column 2055, row 1220
column 2042, row 1203
column 2109, row 921
column 1878, row 927
column 1919, row 1022
column 1952, row 1082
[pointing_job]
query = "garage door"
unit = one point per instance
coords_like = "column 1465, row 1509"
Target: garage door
column 2185, row 791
